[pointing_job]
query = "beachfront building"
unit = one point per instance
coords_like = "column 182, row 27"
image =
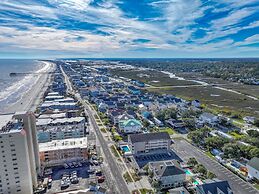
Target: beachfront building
column 61, row 128
column 149, row 142
column 130, row 126
column 19, row 157
column 60, row 104
column 167, row 174
column 57, row 152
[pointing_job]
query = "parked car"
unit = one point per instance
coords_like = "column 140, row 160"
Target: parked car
column 95, row 162
column 101, row 179
column 91, row 171
column 98, row 173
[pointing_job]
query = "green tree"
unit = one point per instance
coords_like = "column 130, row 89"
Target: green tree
column 145, row 124
column 231, row 150
column 215, row 142
column 254, row 152
column 210, row 175
column 257, row 122
column 253, row 133
column 192, row 161
column 200, row 169
column 196, row 136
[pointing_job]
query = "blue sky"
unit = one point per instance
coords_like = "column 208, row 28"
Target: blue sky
column 130, row 28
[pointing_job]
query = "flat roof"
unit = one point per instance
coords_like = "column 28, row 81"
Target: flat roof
column 8, row 124
column 63, row 144
column 47, row 121
column 4, row 119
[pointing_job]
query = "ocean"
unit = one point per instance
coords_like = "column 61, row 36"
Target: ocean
column 13, row 88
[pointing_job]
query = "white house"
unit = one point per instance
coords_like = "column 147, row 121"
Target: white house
column 130, row 126
column 208, row 118
column 253, row 168
column 196, row 103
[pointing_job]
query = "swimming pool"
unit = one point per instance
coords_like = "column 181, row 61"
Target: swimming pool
column 195, row 182
column 188, row 172
column 125, row 148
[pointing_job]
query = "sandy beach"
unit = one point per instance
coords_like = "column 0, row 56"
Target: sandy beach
column 31, row 99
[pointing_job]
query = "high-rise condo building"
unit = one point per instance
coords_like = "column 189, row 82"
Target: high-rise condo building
column 19, row 155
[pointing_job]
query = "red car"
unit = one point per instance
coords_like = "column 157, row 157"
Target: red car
column 101, row 179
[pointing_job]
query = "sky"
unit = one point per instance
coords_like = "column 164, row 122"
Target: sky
column 129, row 28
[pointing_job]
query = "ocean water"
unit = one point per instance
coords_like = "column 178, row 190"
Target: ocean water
column 13, row 88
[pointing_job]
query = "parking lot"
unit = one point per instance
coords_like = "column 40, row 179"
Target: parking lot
column 144, row 159
column 238, row 185
column 84, row 177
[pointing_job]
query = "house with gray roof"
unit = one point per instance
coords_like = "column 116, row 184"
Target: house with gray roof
column 167, row 174
column 214, row 186
column 253, row 168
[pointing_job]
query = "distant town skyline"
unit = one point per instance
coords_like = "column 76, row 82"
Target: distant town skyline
column 130, row 29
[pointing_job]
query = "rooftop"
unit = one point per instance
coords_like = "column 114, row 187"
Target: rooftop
column 63, row 144
column 49, row 121
column 214, row 186
column 254, row 162
column 167, row 168
column 149, row 137
column 9, row 124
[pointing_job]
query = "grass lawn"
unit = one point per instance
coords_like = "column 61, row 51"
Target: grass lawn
column 209, row 154
column 103, row 129
column 256, row 186
column 127, row 177
column 145, row 191
column 114, row 151
column 170, row 131
column 236, row 135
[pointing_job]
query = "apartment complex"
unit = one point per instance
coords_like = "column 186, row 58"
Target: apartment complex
column 57, row 152
column 19, row 157
column 149, row 142
column 60, row 128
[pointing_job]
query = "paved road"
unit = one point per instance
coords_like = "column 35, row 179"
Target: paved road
column 119, row 180
column 185, row 150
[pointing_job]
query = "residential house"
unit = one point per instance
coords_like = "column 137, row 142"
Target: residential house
column 114, row 115
column 214, row 186
column 208, row 118
column 196, row 103
column 179, row 190
column 130, row 126
column 253, row 168
column 102, row 107
column 149, row 142
column 168, row 174
column 249, row 120
column 134, row 90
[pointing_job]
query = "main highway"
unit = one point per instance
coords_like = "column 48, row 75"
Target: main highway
column 120, row 184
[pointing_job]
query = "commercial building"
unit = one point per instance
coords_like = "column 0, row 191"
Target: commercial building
column 57, row 152
column 19, row 157
column 149, row 142
column 62, row 128
column 168, row 174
